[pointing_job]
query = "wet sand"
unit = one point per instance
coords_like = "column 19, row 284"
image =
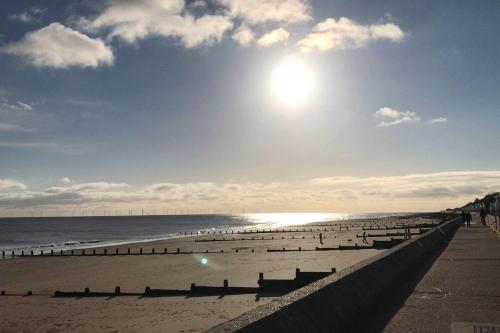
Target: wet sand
column 44, row 275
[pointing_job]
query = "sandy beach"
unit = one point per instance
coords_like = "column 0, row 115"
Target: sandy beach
column 240, row 263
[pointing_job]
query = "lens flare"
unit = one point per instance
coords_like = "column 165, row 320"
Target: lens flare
column 204, row 261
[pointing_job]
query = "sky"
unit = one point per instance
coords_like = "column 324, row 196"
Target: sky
column 238, row 105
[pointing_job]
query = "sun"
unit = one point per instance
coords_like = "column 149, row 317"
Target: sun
column 292, row 82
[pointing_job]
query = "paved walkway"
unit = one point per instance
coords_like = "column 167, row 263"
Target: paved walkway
column 461, row 289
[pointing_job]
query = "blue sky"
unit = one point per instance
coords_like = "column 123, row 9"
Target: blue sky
column 168, row 104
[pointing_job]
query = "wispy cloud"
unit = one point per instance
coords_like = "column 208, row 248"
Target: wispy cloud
column 345, row 33
column 430, row 185
column 65, row 180
column 276, row 36
column 10, row 185
column 58, row 46
column 391, row 117
column 7, row 106
column 14, row 128
column 32, row 15
column 261, row 11
column 48, row 147
column 438, row 120
column 243, row 36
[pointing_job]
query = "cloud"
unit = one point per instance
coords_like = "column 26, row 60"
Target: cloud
column 88, row 187
column 58, row 46
column 15, row 106
column 13, row 128
column 243, row 36
column 261, row 11
column 198, row 4
column 381, row 193
column 48, row 147
column 28, row 145
column 438, row 120
column 134, row 20
column 65, row 180
column 32, row 15
column 423, row 186
column 273, row 37
column 9, row 185
column 392, row 117
column 345, row 33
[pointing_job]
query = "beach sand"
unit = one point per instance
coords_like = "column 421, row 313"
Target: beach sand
column 44, row 275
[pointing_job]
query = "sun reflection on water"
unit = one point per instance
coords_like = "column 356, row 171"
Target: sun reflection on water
column 263, row 220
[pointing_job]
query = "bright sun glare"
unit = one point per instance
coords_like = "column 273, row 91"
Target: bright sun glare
column 292, row 82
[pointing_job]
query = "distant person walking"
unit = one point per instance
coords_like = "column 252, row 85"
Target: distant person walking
column 321, row 238
column 364, row 237
column 464, row 217
column 482, row 215
column 469, row 219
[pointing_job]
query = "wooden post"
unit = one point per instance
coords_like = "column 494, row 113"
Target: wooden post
column 29, row 293
column 13, row 254
column 153, row 250
column 178, row 250
column 116, row 251
column 226, row 284
column 93, row 252
column 300, row 249
column 193, row 286
column 117, row 290
column 72, row 252
column 3, row 254
column 31, row 253
column 165, row 251
column 86, row 291
column 41, row 253
column 105, row 251
column 140, row 250
column 334, row 270
column 2, row 292
column 22, row 253
column 128, row 251
column 83, row 252
column 261, row 276
column 62, row 253
column 51, row 252
column 147, row 290
column 297, row 272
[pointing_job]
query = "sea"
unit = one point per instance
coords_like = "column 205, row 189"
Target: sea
column 62, row 233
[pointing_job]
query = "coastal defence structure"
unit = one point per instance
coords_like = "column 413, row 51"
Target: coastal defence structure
column 336, row 302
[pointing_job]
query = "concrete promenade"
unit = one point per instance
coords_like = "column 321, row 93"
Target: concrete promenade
column 461, row 291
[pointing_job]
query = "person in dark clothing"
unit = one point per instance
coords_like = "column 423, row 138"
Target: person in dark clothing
column 482, row 214
column 469, row 219
column 464, row 217
column 321, row 238
column 364, row 237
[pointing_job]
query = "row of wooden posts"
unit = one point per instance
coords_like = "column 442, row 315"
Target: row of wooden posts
column 263, row 231
column 249, row 239
column 105, row 252
column 284, row 285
